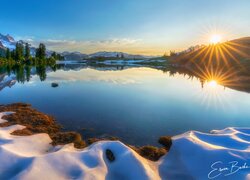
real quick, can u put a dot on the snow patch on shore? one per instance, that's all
(191, 157)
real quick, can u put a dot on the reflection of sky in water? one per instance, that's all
(137, 104)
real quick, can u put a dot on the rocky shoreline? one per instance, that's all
(38, 122)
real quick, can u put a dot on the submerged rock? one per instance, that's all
(54, 84)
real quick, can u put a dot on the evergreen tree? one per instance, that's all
(8, 54)
(27, 51)
(2, 52)
(60, 57)
(27, 72)
(57, 56)
(41, 51)
(54, 55)
(13, 54)
(19, 52)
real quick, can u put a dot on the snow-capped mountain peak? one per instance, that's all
(7, 38)
(7, 41)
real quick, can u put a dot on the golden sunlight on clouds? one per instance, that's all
(132, 46)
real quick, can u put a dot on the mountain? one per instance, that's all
(101, 54)
(228, 63)
(1, 45)
(116, 54)
(226, 53)
(7, 41)
(7, 38)
(2, 49)
(73, 55)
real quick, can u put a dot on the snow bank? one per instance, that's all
(191, 157)
(223, 154)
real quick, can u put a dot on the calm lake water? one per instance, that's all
(136, 104)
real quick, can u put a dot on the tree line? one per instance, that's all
(22, 55)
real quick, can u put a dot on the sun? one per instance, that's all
(215, 39)
(212, 83)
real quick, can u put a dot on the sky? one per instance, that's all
(150, 27)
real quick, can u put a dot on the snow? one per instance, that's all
(7, 81)
(9, 45)
(119, 54)
(200, 156)
(190, 157)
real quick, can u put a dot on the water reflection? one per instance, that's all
(136, 104)
(24, 73)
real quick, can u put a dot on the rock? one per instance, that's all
(54, 84)
(110, 155)
(150, 152)
(166, 141)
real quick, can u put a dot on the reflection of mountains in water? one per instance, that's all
(23, 73)
(108, 65)
(7, 81)
(100, 67)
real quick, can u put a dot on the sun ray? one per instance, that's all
(223, 56)
(230, 54)
(235, 50)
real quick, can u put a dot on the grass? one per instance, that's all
(37, 122)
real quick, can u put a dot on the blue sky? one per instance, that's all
(135, 26)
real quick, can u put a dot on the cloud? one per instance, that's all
(129, 45)
(25, 38)
(87, 46)
(58, 42)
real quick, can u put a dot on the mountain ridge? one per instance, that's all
(7, 41)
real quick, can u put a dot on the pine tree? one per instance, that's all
(13, 54)
(19, 52)
(27, 51)
(41, 51)
(8, 55)
(54, 55)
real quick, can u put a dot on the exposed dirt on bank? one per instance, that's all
(38, 122)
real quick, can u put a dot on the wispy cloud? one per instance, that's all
(87, 46)
(129, 45)
(25, 38)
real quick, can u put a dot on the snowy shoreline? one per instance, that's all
(224, 154)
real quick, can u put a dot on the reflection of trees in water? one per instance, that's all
(41, 72)
(228, 77)
(20, 73)
(27, 74)
(223, 76)
(173, 71)
(23, 72)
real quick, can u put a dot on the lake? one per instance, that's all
(134, 103)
